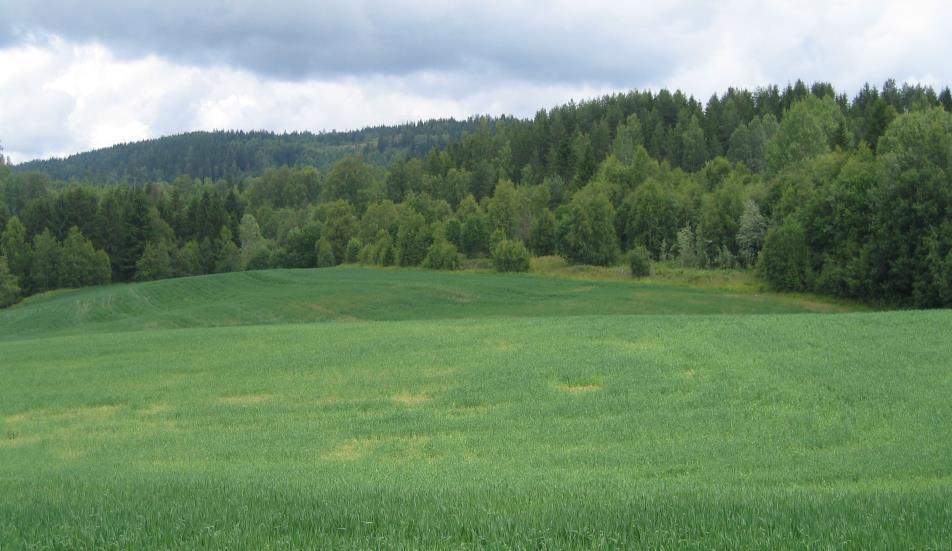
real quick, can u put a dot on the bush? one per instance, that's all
(785, 259)
(510, 255)
(639, 262)
(352, 252)
(325, 254)
(260, 260)
(441, 255)
(9, 288)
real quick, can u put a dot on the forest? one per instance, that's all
(815, 191)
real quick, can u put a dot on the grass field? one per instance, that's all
(469, 410)
(350, 294)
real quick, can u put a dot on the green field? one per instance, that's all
(469, 410)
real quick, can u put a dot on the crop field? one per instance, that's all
(376, 408)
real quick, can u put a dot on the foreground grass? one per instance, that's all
(660, 431)
(350, 293)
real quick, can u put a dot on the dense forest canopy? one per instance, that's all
(816, 191)
(234, 155)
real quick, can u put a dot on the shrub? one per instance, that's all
(785, 259)
(9, 288)
(510, 255)
(441, 255)
(325, 254)
(261, 260)
(639, 262)
(352, 252)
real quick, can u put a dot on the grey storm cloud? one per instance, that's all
(299, 40)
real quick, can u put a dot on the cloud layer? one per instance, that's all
(78, 75)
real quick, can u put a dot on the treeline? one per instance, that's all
(818, 193)
(235, 155)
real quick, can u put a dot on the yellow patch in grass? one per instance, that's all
(13, 440)
(410, 399)
(400, 447)
(244, 399)
(17, 418)
(154, 409)
(579, 389)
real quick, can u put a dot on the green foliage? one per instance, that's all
(81, 264)
(806, 131)
(340, 226)
(300, 246)
(503, 208)
(912, 200)
(590, 237)
(378, 216)
(260, 261)
(751, 232)
(46, 263)
(188, 260)
(351, 180)
(510, 255)
(228, 257)
(413, 238)
(872, 219)
(687, 248)
(785, 259)
(352, 253)
(542, 236)
(441, 255)
(384, 252)
(9, 286)
(15, 248)
(639, 262)
(628, 137)
(325, 254)
(474, 235)
(156, 263)
(649, 216)
(252, 242)
(453, 232)
(233, 155)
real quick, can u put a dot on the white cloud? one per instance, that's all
(104, 71)
(89, 99)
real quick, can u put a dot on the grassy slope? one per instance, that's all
(654, 430)
(287, 296)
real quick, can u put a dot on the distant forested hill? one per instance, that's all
(233, 155)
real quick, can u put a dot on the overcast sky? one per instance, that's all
(82, 74)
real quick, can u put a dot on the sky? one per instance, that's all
(83, 74)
